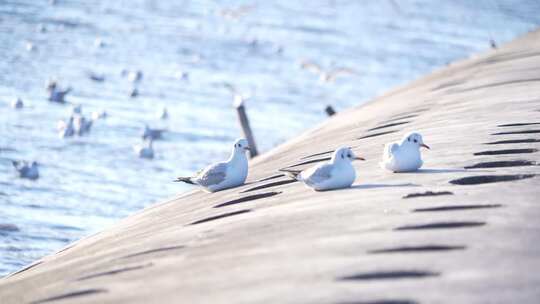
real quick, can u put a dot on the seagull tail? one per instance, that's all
(186, 180)
(294, 174)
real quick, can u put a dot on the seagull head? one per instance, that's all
(345, 154)
(415, 139)
(241, 145)
(76, 109)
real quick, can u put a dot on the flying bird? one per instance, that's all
(326, 75)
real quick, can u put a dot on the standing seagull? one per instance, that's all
(404, 156)
(25, 170)
(336, 174)
(223, 175)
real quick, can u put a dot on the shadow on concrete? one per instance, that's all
(373, 186)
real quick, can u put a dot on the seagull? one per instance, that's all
(17, 103)
(96, 77)
(76, 109)
(81, 125)
(145, 150)
(153, 134)
(335, 174)
(404, 156)
(66, 129)
(56, 94)
(325, 76)
(163, 114)
(99, 43)
(134, 92)
(182, 75)
(102, 114)
(223, 175)
(134, 76)
(26, 170)
(236, 13)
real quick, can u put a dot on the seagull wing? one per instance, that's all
(390, 150)
(311, 66)
(332, 75)
(318, 174)
(212, 175)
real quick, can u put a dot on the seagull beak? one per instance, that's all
(359, 158)
(425, 146)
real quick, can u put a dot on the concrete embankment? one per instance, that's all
(465, 229)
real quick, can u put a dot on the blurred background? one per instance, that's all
(135, 60)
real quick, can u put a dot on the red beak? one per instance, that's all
(359, 158)
(425, 146)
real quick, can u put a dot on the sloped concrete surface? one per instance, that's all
(445, 234)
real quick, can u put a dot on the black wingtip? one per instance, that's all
(186, 180)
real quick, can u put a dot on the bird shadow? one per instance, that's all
(423, 171)
(373, 186)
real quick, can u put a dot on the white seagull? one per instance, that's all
(335, 174)
(26, 170)
(134, 76)
(404, 156)
(329, 75)
(223, 175)
(145, 150)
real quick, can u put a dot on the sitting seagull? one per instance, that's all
(335, 174)
(56, 94)
(223, 175)
(145, 150)
(153, 134)
(17, 103)
(25, 170)
(404, 156)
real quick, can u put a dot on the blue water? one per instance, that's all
(90, 182)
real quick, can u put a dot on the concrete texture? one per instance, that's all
(472, 238)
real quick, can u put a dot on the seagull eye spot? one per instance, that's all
(415, 140)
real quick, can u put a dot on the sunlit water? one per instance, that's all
(90, 182)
